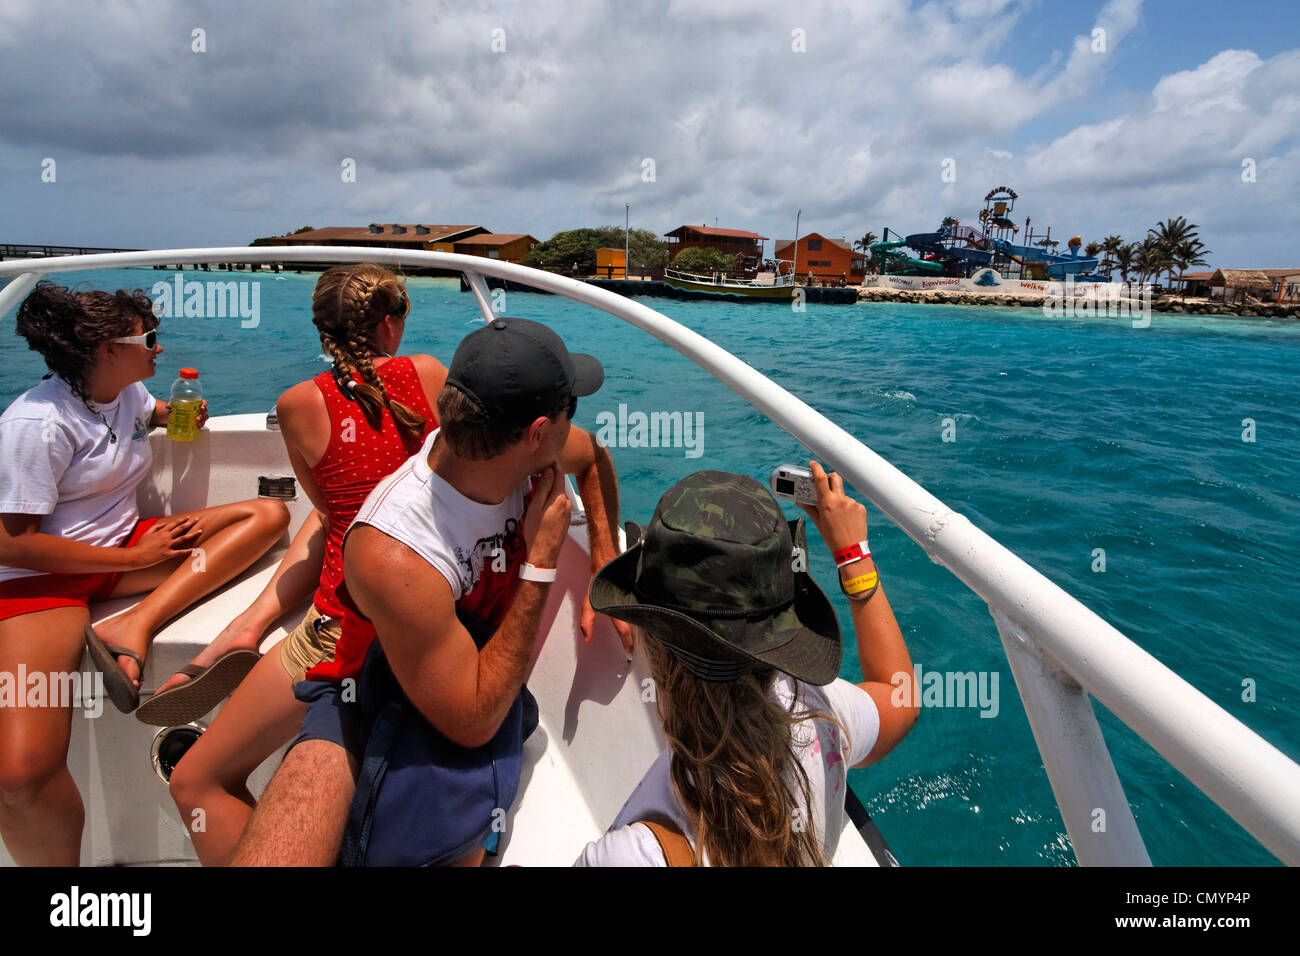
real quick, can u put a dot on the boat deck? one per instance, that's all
(595, 739)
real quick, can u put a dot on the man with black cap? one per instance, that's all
(448, 563)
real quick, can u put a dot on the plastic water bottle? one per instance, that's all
(187, 395)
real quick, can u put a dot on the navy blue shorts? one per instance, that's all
(431, 802)
(329, 716)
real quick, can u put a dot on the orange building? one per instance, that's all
(824, 258)
(610, 264)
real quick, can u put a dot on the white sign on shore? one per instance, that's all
(983, 280)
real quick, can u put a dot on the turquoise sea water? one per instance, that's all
(1070, 435)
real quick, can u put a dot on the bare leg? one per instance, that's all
(300, 819)
(260, 716)
(41, 813)
(234, 536)
(293, 582)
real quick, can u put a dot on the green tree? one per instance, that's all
(1124, 258)
(1110, 245)
(563, 249)
(1190, 252)
(703, 260)
(1092, 249)
(864, 245)
(1150, 259)
(1169, 235)
(271, 240)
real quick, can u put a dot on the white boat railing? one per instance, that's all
(1059, 651)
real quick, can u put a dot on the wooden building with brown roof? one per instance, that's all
(731, 242)
(506, 246)
(433, 238)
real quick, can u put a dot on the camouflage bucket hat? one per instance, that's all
(713, 577)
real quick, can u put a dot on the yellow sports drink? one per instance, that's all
(187, 396)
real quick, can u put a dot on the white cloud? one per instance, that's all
(551, 133)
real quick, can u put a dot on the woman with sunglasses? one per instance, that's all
(72, 451)
(345, 431)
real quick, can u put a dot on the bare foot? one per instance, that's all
(124, 632)
(241, 633)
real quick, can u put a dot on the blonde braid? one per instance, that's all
(345, 333)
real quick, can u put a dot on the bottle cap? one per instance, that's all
(189, 373)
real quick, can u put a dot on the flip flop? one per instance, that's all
(122, 691)
(206, 687)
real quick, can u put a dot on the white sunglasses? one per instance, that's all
(148, 339)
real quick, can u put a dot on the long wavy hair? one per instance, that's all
(349, 302)
(67, 327)
(733, 768)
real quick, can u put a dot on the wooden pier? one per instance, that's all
(823, 295)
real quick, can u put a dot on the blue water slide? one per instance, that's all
(1056, 267)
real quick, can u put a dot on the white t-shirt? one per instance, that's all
(820, 746)
(477, 547)
(57, 460)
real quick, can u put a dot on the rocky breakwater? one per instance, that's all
(1040, 300)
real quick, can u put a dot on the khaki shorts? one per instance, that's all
(309, 644)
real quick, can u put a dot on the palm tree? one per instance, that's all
(1190, 252)
(1124, 258)
(1110, 245)
(864, 245)
(1091, 249)
(1169, 234)
(1150, 259)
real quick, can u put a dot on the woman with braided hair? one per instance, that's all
(72, 451)
(345, 431)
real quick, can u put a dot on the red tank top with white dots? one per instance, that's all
(358, 458)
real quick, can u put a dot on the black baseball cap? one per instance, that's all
(517, 369)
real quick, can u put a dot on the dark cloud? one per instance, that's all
(748, 110)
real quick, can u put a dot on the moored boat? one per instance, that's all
(777, 286)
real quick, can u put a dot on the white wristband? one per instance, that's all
(531, 572)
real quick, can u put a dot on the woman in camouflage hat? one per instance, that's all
(745, 652)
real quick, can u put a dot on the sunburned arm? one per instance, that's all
(882, 652)
(463, 692)
(591, 463)
(584, 458)
(433, 375)
(886, 665)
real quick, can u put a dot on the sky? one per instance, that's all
(122, 126)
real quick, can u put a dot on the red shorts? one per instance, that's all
(40, 592)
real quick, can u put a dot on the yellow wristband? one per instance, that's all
(862, 583)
